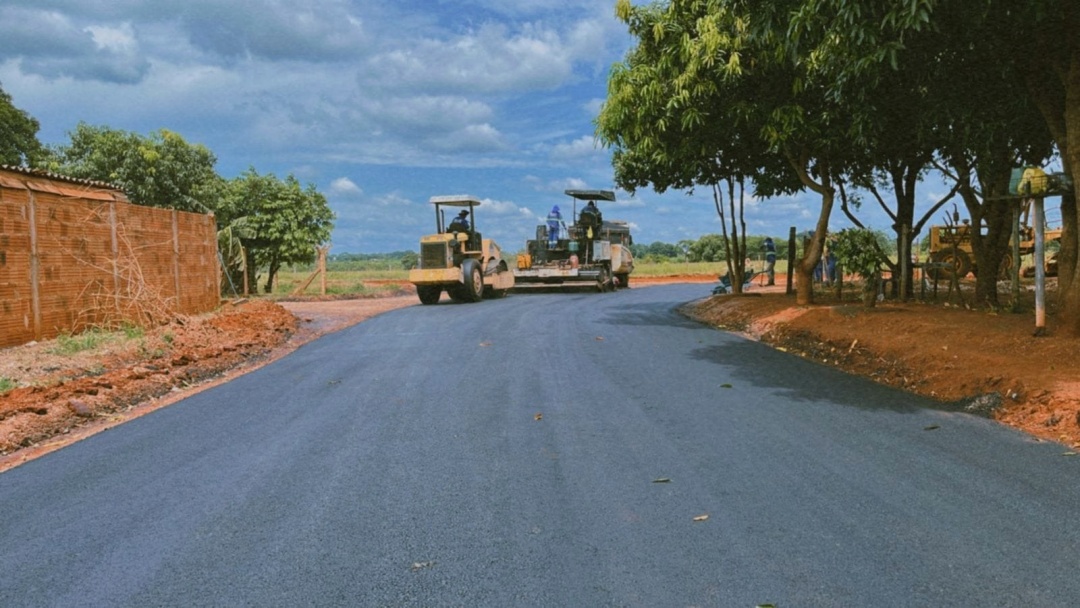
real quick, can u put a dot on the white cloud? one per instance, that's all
(579, 148)
(489, 60)
(344, 186)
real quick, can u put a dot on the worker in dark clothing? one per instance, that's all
(459, 223)
(590, 221)
(770, 259)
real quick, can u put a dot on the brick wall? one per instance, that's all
(75, 254)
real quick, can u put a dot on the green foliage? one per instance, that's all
(708, 248)
(6, 384)
(284, 221)
(19, 144)
(161, 170)
(857, 250)
(132, 332)
(410, 259)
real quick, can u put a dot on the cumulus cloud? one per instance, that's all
(579, 148)
(52, 45)
(308, 30)
(489, 60)
(344, 186)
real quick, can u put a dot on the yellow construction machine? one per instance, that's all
(951, 251)
(457, 258)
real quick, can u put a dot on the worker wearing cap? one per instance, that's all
(460, 223)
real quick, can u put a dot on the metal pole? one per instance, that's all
(1040, 268)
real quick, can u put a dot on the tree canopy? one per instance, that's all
(159, 170)
(19, 144)
(851, 92)
(283, 220)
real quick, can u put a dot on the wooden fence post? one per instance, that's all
(322, 269)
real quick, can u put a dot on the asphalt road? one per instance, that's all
(545, 450)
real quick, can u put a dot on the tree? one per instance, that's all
(19, 144)
(708, 248)
(161, 170)
(286, 221)
(991, 54)
(715, 90)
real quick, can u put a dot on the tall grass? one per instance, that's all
(343, 282)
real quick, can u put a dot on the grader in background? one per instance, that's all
(951, 251)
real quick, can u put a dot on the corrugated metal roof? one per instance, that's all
(46, 181)
(57, 176)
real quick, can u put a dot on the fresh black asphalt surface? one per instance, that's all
(545, 450)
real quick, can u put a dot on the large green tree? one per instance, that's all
(715, 90)
(159, 170)
(284, 221)
(19, 144)
(991, 57)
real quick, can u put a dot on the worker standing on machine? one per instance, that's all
(590, 220)
(555, 226)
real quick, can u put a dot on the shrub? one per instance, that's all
(856, 251)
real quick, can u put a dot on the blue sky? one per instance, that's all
(381, 105)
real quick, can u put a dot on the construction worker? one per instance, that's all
(770, 259)
(590, 221)
(556, 227)
(459, 223)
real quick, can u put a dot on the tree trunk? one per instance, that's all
(271, 272)
(252, 277)
(1070, 152)
(804, 269)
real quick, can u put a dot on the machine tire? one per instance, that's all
(960, 264)
(603, 280)
(624, 279)
(492, 293)
(429, 294)
(473, 289)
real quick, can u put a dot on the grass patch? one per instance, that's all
(6, 384)
(69, 344)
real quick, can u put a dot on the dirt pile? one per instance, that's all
(59, 392)
(985, 363)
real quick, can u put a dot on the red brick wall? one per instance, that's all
(76, 254)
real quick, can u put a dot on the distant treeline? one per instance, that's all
(708, 248)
